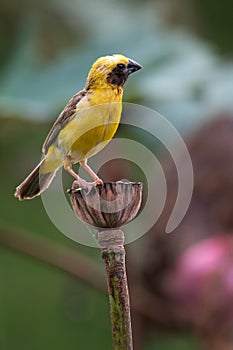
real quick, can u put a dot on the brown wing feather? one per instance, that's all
(64, 117)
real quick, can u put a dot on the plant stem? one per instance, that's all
(113, 255)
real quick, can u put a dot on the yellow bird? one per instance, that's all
(87, 123)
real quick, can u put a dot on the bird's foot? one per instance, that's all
(98, 181)
(84, 184)
(79, 183)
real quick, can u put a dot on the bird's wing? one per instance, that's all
(65, 116)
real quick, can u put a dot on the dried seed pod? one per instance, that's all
(110, 205)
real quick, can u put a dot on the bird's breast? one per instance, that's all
(92, 127)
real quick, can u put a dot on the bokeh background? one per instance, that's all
(52, 290)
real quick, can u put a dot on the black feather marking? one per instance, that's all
(118, 76)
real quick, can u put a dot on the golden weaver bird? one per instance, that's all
(87, 123)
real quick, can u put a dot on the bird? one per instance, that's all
(84, 127)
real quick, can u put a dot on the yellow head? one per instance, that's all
(111, 71)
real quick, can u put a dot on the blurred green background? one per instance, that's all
(47, 48)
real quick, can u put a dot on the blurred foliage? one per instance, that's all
(210, 19)
(217, 24)
(172, 341)
(46, 50)
(183, 78)
(54, 31)
(41, 308)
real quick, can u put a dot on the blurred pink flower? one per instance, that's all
(202, 280)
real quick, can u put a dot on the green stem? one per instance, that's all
(113, 254)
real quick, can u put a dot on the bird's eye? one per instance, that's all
(120, 66)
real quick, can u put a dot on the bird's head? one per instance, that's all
(111, 71)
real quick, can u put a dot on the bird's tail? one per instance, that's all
(34, 184)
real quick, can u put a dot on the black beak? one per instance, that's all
(133, 67)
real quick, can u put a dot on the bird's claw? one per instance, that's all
(98, 181)
(84, 184)
(75, 184)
